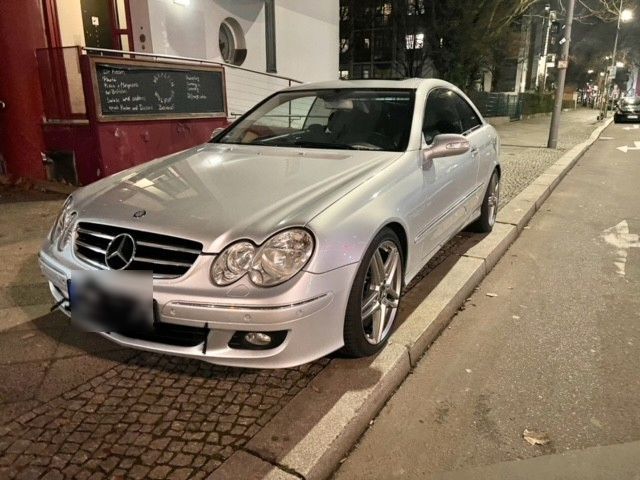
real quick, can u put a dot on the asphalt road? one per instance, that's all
(550, 342)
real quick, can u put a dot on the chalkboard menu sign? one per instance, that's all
(138, 91)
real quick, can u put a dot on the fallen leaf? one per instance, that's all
(468, 370)
(28, 335)
(533, 437)
(515, 317)
(492, 295)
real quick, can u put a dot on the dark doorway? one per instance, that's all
(97, 22)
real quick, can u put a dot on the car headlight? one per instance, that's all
(62, 226)
(281, 257)
(275, 262)
(232, 263)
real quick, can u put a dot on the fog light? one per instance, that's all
(258, 339)
(245, 340)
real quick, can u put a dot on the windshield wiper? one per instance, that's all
(339, 146)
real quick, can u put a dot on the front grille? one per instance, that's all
(167, 257)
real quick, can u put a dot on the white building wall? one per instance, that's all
(70, 19)
(307, 39)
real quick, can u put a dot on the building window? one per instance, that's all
(415, 42)
(231, 42)
(270, 33)
(416, 7)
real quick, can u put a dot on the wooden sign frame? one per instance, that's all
(180, 67)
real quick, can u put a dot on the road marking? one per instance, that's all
(619, 237)
(635, 127)
(625, 148)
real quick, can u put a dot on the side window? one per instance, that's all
(467, 114)
(286, 116)
(441, 114)
(318, 114)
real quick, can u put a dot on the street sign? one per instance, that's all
(563, 63)
(612, 72)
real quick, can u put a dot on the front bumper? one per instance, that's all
(627, 116)
(310, 308)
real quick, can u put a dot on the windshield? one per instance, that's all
(630, 101)
(334, 119)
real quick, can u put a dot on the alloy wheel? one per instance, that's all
(493, 200)
(381, 292)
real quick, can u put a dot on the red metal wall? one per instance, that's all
(126, 144)
(21, 138)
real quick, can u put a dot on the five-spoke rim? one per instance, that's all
(492, 201)
(381, 292)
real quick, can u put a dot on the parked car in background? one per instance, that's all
(627, 110)
(291, 234)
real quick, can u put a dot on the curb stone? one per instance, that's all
(242, 465)
(426, 322)
(310, 435)
(331, 414)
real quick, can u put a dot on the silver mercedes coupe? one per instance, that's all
(291, 234)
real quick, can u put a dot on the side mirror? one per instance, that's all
(445, 145)
(215, 132)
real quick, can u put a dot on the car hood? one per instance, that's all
(217, 194)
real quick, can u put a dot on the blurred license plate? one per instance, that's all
(108, 301)
(632, 117)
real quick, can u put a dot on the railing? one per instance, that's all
(512, 105)
(62, 88)
(176, 58)
(245, 87)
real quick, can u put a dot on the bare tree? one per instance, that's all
(593, 11)
(458, 38)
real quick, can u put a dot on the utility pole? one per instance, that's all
(562, 74)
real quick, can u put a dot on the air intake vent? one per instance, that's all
(167, 257)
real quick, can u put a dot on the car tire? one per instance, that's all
(616, 119)
(489, 209)
(375, 296)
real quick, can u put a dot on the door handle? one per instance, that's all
(474, 152)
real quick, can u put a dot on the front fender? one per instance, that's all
(345, 229)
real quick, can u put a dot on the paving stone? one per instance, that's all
(159, 472)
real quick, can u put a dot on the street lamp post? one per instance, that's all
(562, 74)
(623, 16)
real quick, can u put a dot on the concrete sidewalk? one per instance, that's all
(550, 342)
(83, 403)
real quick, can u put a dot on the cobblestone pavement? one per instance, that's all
(151, 417)
(74, 405)
(524, 153)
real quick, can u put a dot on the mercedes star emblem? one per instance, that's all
(120, 252)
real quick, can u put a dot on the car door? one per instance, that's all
(446, 181)
(482, 145)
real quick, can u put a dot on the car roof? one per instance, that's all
(408, 83)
